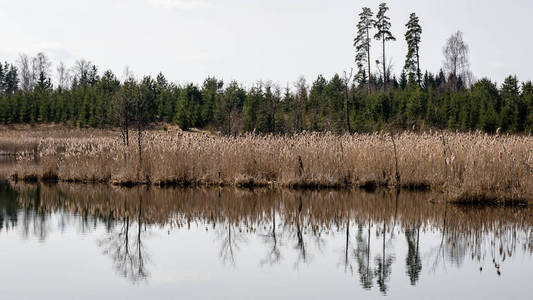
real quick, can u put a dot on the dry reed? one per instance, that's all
(478, 166)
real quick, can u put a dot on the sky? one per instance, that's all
(259, 40)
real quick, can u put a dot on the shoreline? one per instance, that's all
(371, 188)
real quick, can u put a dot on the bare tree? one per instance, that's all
(26, 73)
(456, 60)
(81, 70)
(63, 76)
(122, 115)
(42, 64)
(141, 114)
(132, 110)
(128, 73)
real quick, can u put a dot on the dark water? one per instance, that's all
(96, 242)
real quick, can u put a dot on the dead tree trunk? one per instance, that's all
(347, 79)
(397, 171)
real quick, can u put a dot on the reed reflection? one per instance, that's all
(287, 223)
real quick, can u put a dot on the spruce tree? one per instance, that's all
(11, 80)
(403, 80)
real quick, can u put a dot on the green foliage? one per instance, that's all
(188, 111)
(103, 101)
(251, 107)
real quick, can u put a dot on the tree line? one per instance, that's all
(362, 102)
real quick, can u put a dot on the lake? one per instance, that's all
(69, 241)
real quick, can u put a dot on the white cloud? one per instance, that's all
(181, 4)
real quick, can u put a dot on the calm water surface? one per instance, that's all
(98, 242)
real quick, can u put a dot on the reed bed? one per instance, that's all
(474, 168)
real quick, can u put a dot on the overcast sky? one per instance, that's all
(252, 40)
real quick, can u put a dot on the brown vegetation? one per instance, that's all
(477, 166)
(313, 212)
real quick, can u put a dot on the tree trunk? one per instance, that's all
(346, 98)
(368, 61)
(348, 127)
(418, 73)
(384, 67)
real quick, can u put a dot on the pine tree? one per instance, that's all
(315, 105)
(333, 94)
(210, 91)
(362, 44)
(383, 25)
(250, 110)
(514, 113)
(267, 111)
(413, 38)
(188, 107)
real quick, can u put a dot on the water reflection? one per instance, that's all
(294, 227)
(124, 244)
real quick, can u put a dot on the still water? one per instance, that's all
(99, 242)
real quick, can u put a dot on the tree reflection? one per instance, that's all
(230, 237)
(300, 246)
(8, 207)
(413, 260)
(125, 246)
(273, 255)
(362, 254)
(383, 262)
(346, 258)
(440, 249)
(34, 218)
(291, 226)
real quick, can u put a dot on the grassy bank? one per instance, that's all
(470, 167)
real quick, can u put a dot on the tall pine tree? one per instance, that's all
(413, 38)
(362, 43)
(384, 35)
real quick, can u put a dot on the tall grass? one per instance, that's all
(478, 166)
